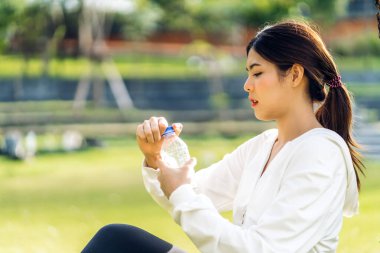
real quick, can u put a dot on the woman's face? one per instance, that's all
(268, 92)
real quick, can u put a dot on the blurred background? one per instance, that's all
(77, 76)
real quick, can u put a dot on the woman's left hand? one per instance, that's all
(172, 178)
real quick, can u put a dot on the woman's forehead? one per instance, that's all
(254, 59)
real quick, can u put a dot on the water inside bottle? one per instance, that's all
(174, 150)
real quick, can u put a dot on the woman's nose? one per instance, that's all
(248, 85)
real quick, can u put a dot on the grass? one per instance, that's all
(150, 66)
(56, 202)
(129, 66)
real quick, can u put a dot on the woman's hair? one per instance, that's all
(290, 42)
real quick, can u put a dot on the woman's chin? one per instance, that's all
(258, 116)
(263, 117)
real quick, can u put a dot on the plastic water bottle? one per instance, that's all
(174, 150)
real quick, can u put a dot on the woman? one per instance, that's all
(288, 187)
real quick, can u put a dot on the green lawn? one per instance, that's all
(154, 66)
(131, 66)
(56, 202)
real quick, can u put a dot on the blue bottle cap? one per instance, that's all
(168, 131)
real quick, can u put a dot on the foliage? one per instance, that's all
(222, 16)
(33, 26)
(196, 17)
(139, 23)
(7, 15)
(322, 11)
(176, 15)
(257, 13)
(29, 25)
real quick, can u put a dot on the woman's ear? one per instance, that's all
(297, 73)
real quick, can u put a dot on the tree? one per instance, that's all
(22, 27)
(7, 16)
(322, 12)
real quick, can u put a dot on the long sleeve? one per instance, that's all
(218, 182)
(309, 199)
(152, 186)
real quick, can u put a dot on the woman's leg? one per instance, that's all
(121, 238)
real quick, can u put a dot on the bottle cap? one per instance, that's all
(168, 131)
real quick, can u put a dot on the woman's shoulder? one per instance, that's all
(322, 144)
(320, 138)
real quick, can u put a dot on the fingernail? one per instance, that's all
(177, 125)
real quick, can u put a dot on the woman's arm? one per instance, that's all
(315, 182)
(218, 182)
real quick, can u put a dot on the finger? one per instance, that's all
(155, 129)
(188, 167)
(177, 128)
(162, 124)
(148, 131)
(190, 163)
(140, 133)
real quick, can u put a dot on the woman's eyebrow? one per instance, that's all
(252, 66)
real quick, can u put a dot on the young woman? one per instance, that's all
(288, 187)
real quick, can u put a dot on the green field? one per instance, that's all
(156, 67)
(56, 202)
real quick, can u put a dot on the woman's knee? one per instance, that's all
(109, 237)
(115, 229)
(118, 232)
(125, 238)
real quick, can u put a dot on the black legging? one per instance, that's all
(121, 238)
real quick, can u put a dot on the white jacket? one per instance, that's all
(297, 205)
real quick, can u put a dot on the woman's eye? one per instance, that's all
(257, 74)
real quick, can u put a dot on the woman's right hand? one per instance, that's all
(149, 138)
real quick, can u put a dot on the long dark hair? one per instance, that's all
(290, 42)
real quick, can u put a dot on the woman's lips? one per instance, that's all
(253, 102)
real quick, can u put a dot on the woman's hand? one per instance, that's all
(148, 136)
(172, 178)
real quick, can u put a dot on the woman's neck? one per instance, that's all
(295, 124)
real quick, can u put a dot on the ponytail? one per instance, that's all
(336, 114)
